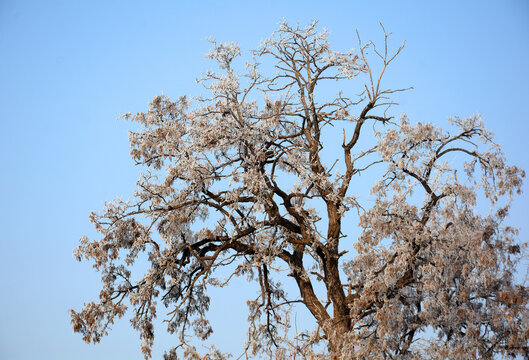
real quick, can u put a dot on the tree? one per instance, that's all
(249, 179)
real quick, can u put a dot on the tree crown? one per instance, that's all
(239, 179)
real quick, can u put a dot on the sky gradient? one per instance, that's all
(69, 69)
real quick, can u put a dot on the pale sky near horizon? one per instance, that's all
(68, 69)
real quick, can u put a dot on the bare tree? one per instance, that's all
(241, 180)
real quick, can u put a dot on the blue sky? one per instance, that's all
(69, 69)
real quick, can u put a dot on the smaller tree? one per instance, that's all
(252, 179)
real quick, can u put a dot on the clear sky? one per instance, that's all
(68, 69)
